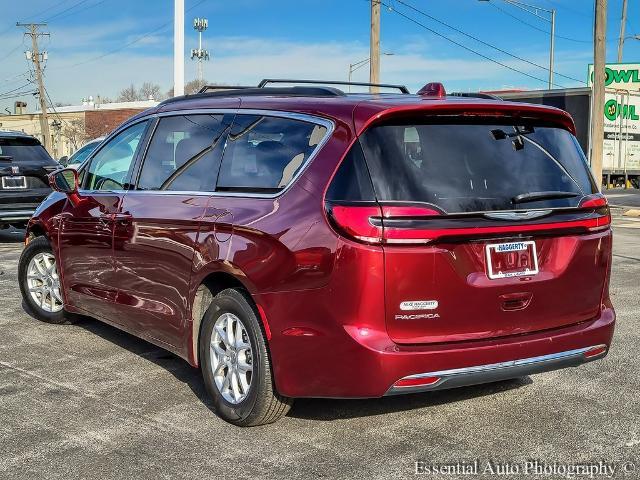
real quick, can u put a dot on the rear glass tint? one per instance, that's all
(23, 150)
(469, 167)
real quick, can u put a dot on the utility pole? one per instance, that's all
(374, 47)
(36, 57)
(178, 48)
(598, 93)
(623, 21)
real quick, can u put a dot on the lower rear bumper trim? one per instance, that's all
(461, 377)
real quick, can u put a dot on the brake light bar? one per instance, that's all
(374, 224)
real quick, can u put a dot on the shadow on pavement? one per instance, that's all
(328, 409)
(304, 408)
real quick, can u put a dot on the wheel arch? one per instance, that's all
(212, 284)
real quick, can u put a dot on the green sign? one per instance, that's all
(613, 110)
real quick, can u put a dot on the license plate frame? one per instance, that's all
(517, 265)
(19, 182)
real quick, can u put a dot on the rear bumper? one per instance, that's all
(21, 213)
(349, 361)
(462, 377)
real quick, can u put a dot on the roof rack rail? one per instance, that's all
(263, 83)
(216, 88)
(487, 96)
(311, 91)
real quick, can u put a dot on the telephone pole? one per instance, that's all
(598, 94)
(37, 58)
(374, 47)
(623, 21)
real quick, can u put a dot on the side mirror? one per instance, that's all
(65, 181)
(64, 161)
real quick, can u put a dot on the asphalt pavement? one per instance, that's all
(624, 197)
(88, 401)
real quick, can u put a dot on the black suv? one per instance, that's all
(24, 166)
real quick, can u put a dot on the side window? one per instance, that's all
(184, 153)
(109, 168)
(264, 153)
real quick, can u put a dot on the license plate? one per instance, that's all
(9, 183)
(514, 259)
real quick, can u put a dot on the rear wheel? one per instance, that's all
(235, 363)
(40, 282)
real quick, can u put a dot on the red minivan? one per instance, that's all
(297, 241)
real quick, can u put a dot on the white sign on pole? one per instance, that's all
(622, 116)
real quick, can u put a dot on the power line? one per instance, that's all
(77, 4)
(15, 89)
(531, 25)
(486, 43)
(88, 7)
(497, 62)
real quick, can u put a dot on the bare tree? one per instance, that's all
(149, 91)
(129, 94)
(193, 86)
(74, 130)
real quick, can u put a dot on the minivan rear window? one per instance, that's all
(471, 165)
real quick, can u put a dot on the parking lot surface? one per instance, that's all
(88, 401)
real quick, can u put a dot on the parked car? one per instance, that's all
(303, 242)
(24, 166)
(80, 155)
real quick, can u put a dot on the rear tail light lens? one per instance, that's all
(597, 201)
(594, 201)
(356, 222)
(376, 224)
(366, 223)
(416, 382)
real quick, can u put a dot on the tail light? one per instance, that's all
(599, 203)
(405, 224)
(374, 224)
(356, 222)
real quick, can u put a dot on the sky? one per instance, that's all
(99, 47)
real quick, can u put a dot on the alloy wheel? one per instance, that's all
(231, 358)
(43, 282)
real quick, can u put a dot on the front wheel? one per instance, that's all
(40, 282)
(235, 363)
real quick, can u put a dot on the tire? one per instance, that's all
(260, 403)
(51, 310)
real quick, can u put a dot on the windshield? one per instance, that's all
(23, 150)
(471, 167)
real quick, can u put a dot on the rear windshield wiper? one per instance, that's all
(520, 136)
(535, 196)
